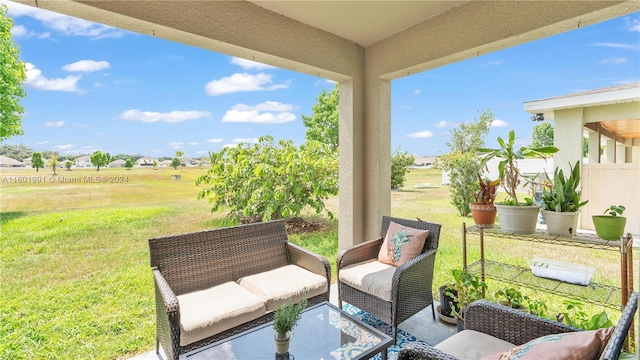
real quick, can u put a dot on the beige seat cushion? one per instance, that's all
(208, 312)
(287, 282)
(371, 277)
(472, 345)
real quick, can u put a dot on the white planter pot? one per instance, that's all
(518, 219)
(561, 223)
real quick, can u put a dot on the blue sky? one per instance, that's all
(93, 87)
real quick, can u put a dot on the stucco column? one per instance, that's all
(594, 147)
(610, 150)
(351, 194)
(568, 138)
(377, 153)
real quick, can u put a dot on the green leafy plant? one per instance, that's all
(271, 181)
(537, 307)
(615, 210)
(511, 297)
(575, 316)
(286, 317)
(509, 174)
(467, 288)
(487, 192)
(561, 194)
(401, 161)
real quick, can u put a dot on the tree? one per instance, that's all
(179, 155)
(99, 159)
(400, 164)
(68, 164)
(18, 152)
(461, 162)
(542, 135)
(270, 181)
(53, 163)
(175, 163)
(323, 124)
(155, 164)
(128, 164)
(36, 161)
(13, 75)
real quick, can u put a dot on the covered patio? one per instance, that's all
(362, 45)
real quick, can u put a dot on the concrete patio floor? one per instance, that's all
(421, 325)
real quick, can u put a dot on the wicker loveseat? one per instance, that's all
(496, 324)
(216, 283)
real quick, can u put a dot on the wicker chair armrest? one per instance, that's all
(168, 297)
(616, 342)
(514, 326)
(358, 253)
(421, 351)
(418, 267)
(309, 260)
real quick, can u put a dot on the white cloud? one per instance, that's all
(63, 24)
(617, 46)
(245, 140)
(493, 63)
(215, 140)
(417, 92)
(19, 31)
(176, 145)
(36, 80)
(241, 82)
(54, 123)
(614, 60)
(633, 24)
(169, 117)
(421, 135)
(193, 143)
(441, 124)
(66, 147)
(499, 123)
(87, 66)
(248, 64)
(42, 143)
(268, 112)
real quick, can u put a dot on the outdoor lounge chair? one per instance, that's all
(407, 288)
(496, 324)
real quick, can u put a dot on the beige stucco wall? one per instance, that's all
(611, 184)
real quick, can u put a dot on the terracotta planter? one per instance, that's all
(518, 219)
(561, 223)
(483, 215)
(609, 227)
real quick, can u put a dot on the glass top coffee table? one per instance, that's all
(323, 332)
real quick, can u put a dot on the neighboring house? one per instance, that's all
(610, 118)
(117, 163)
(424, 161)
(83, 162)
(6, 161)
(145, 161)
(165, 163)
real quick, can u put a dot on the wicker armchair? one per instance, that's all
(411, 284)
(518, 327)
(191, 262)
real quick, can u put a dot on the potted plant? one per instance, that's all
(611, 226)
(483, 211)
(285, 319)
(467, 288)
(448, 304)
(561, 202)
(515, 217)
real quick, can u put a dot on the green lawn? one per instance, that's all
(74, 263)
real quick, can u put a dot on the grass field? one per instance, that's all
(74, 263)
